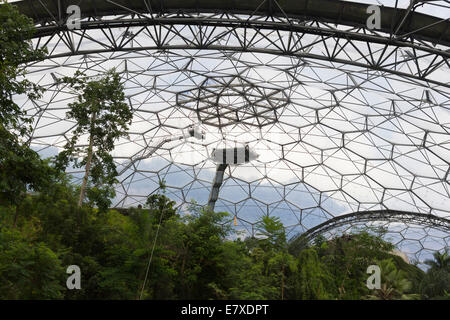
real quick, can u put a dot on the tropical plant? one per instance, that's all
(394, 283)
(100, 112)
(28, 270)
(436, 283)
(312, 278)
(21, 169)
(16, 49)
(441, 261)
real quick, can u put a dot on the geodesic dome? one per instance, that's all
(347, 121)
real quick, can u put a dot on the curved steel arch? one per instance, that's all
(395, 21)
(406, 217)
(407, 38)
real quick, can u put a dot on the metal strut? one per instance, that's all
(146, 155)
(217, 183)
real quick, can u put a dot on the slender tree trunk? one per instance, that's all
(15, 216)
(88, 162)
(182, 277)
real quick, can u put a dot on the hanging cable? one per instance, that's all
(151, 255)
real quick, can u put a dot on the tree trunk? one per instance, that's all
(15, 216)
(88, 162)
(183, 286)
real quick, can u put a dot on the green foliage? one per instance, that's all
(16, 49)
(312, 279)
(266, 264)
(436, 282)
(21, 170)
(100, 196)
(253, 280)
(100, 113)
(394, 283)
(161, 208)
(441, 261)
(194, 256)
(273, 230)
(347, 259)
(28, 270)
(202, 250)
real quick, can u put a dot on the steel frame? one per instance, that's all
(411, 48)
(275, 34)
(425, 220)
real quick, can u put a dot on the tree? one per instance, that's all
(347, 258)
(272, 229)
(278, 261)
(281, 265)
(441, 261)
(28, 270)
(16, 49)
(101, 113)
(161, 207)
(436, 282)
(21, 169)
(312, 278)
(267, 263)
(201, 263)
(160, 231)
(394, 283)
(251, 278)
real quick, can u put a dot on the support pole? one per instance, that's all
(217, 183)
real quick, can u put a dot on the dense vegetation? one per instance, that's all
(47, 224)
(193, 258)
